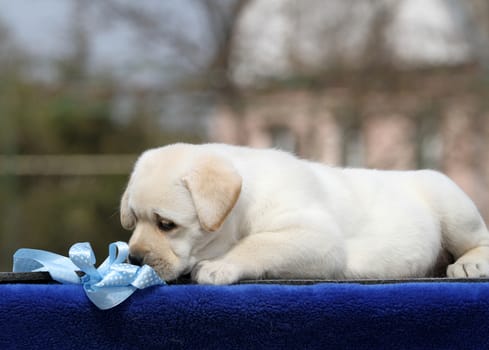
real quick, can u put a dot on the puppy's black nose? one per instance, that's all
(135, 260)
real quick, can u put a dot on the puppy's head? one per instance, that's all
(177, 199)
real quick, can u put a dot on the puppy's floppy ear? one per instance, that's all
(128, 220)
(214, 186)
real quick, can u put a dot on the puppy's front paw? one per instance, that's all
(216, 272)
(470, 270)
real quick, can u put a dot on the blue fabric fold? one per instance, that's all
(107, 286)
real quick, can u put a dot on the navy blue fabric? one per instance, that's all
(322, 316)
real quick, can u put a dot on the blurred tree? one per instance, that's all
(74, 67)
(70, 114)
(473, 18)
(222, 18)
(11, 61)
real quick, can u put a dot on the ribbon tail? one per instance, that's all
(59, 267)
(106, 298)
(146, 277)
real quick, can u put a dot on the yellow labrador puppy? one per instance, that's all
(227, 213)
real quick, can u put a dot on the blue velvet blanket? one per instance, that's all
(320, 316)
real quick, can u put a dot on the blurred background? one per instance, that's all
(86, 85)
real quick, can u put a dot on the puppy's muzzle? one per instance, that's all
(135, 260)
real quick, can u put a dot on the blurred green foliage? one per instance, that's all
(54, 212)
(72, 115)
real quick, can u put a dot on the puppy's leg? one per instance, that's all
(465, 236)
(473, 263)
(468, 240)
(284, 254)
(464, 233)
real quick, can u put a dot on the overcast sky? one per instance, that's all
(42, 29)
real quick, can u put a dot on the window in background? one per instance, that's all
(283, 138)
(430, 145)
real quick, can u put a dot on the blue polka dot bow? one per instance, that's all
(106, 286)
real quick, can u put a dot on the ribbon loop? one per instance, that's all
(118, 253)
(109, 285)
(59, 267)
(83, 256)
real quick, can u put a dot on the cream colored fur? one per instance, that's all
(247, 213)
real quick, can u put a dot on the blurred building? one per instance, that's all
(400, 91)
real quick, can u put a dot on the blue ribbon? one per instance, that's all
(106, 286)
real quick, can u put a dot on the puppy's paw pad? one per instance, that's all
(216, 272)
(468, 270)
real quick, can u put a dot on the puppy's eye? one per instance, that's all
(166, 225)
